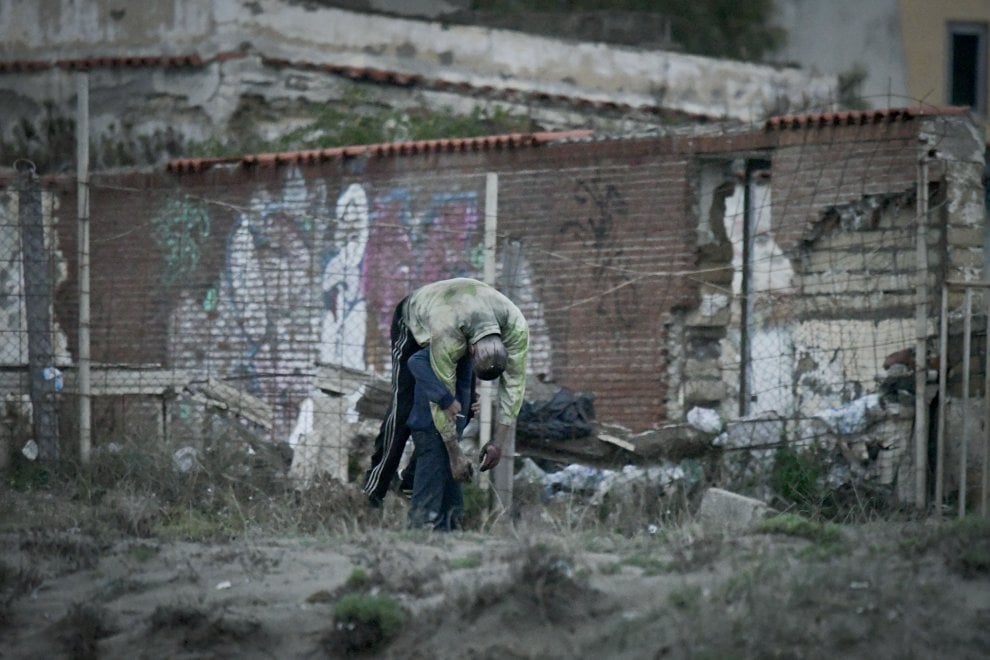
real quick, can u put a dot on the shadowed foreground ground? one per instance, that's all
(115, 574)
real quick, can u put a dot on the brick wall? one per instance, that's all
(623, 261)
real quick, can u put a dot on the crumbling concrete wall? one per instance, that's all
(273, 63)
(479, 56)
(833, 294)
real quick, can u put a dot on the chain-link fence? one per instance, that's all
(780, 282)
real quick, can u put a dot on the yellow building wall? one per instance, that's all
(926, 48)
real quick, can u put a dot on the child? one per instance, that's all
(437, 500)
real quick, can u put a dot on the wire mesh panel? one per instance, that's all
(31, 348)
(278, 294)
(777, 285)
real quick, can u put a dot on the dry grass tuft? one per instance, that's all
(202, 629)
(71, 551)
(81, 629)
(963, 544)
(363, 623)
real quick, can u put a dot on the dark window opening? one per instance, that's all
(967, 65)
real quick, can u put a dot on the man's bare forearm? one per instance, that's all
(501, 435)
(451, 443)
(460, 467)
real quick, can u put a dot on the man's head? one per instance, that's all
(489, 357)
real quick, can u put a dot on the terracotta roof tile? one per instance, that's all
(164, 61)
(111, 62)
(857, 117)
(19, 66)
(443, 145)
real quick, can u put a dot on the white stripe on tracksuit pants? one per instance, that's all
(393, 434)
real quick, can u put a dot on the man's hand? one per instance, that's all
(453, 410)
(491, 454)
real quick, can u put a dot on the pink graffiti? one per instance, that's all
(406, 251)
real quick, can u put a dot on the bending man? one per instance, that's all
(454, 318)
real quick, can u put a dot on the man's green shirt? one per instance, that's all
(449, 314)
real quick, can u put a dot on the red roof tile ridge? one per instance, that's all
(855, 117)
(309, 156)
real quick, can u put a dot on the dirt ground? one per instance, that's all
(536, 589)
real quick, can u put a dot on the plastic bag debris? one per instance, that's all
(184, 459)
(565, 416)
(53, 374)
(853, 417)
(705, 420)
(30, 450)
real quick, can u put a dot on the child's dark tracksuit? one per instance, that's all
(437, 501)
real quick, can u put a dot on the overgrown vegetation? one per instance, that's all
(356, 119)
(801, 527)
(963, 543)
(82, 628)
(697, 592)
(797, 477)
(14, 583)
(798, 481)
(134, 488)
(365, 622)
(851, 88)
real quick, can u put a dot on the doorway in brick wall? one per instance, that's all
(763, 275)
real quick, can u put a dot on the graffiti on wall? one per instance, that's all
(13, 317)
(345, 308)
(408, 248)
(13, 310)
(603, 203)
(179, 229)
(310, 278)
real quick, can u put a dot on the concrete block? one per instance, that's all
(966, 237)
(705, 369)
(704, 390)
(763, 431)
(725, 511)
(714, 309)
(855, 283)
(966, 258)
(871, 261)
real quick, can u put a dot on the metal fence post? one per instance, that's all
(966, 365)
(83, 356)
(943, 400)
(921, 343)
(985, 481)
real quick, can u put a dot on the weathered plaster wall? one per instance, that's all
(844, 35)
(481, 56)
(273, 50)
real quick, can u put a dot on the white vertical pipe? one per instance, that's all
(943, 372)
(83, 356)
(964, 449)
(985, 499)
